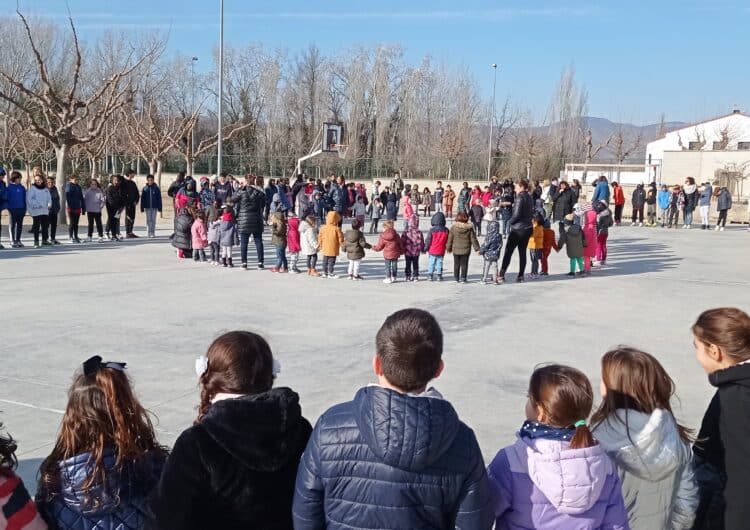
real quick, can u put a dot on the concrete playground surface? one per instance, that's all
(136, 302)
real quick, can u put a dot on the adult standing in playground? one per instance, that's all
(249, 204)
(704, 203)
(114, 203)
(520, 230)
(691, 201)
(38, 203)
(463, 198)
(223, 189)
(130, 196)
(438, 197)
(151, 204)
(54, 209)
(601, 190)
(619, 198)
(563, 202)
(397, 185)
(75, 207)
(337, 196)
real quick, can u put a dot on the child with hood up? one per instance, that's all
(390, 244)
(199, 236)
(412, 241)
(555, 475)
(571, 237)
(434, 246)
(227, 234)
(490, 250)
(182, 239)
(461, 239)
(408, 208)
(330, 239)
(308, 235)
(293, 241)
(354, 246)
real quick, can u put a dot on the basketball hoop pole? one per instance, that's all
(492, 122)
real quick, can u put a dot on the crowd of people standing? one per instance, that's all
(397, 455)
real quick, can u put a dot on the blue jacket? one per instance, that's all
(389, 460)
(74, 197)
(122, 505)
(662, 198)
(336, 195)
(705, 196)
(151, 198)
(601, 192)
(3, 195)
(16, 197)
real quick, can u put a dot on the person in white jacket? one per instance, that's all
(308, 240)
(38, 203)
(636, 427)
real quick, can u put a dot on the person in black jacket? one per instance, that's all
(130, 196)
(223, 189)
(722, 449)
(249, 205)
(397, 456)
(75, 205)
(563, 202)
(236, 466)
(114, 203)
(520, 230)
(176, 185)
(637, 202)
(54, 210)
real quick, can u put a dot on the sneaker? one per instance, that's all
(333, 276)
(571, 274)
(260, 266)
(37, 245)
(130, 236)
(284, 270)
(432, 277)
(633, 224)
(722, 229)
(717, 228)
(440, 277)
(482, 282)
(275, 269)
(387, 280)
(71, 241)
(415, 278)
(500, 278)
(640, 224)
(101, 240)
(603, 263)
(56, 242)
(520, 279)
(47, 244)
(77, 241)
(358, 277)
(295, 270)
(547, 274)
(464, 280)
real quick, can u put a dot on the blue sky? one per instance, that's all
(637, 59)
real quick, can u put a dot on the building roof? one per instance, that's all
(735, 112)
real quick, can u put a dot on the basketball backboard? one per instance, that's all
(332, 136)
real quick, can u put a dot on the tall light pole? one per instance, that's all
(192, 129)
(219, 143)
(492, 122)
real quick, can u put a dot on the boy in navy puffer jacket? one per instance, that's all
(434, 245)
(397, 456)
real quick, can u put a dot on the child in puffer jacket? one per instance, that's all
(477, 214)
(390, 244)
(550, 242)
(536, 243)
(308, 234)
(434, 246)
(278, 239)
(589, 235)
(555, 476)
(17, 510)
(490, 250)
(199, 236)
(293, 241)
(214, 239)
(412, 242)
(571, 237)
(355, 245)
(330, 239)
(227, 233)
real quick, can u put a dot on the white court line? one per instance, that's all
(30, 406)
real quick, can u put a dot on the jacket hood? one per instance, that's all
(406, 432)
(571, 479)
(462, 227)
(493, 229)
(736, 375)
(647, 446)
(352, 236)
(438, 220)
(333, 218)
(389, 234)
(413, 223)
(262, 431)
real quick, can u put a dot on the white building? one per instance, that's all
(712, 150)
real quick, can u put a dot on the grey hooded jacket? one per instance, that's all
(655, 467)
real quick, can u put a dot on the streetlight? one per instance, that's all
(492, 120)
(219, 142)
(192, 129)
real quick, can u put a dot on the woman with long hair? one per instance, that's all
(520, 231)
(106, 460)
(636, 426)
(236, 466)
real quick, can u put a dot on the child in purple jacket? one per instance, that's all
(556, 476)
(412, 241)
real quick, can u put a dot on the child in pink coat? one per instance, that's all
(293, 246)
(408, 209)
(199, 236)
(589, 234)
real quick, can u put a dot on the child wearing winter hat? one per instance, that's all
(308, 235)
(434, 245)
(354, 246)
(293, 241)
(199, 236)
(412, 242)
(571, 237)
(390, 244)
(536, 243)
(555, 476)
(490, 250)
(330, 240)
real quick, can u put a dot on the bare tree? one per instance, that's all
(63, 108)
(566, 113)
(623, 145)
(592, 151)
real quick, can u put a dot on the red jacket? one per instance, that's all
(292, 235)
(619, 196)
(390, 244)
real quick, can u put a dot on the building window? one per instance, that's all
(694, 146)
(743, 146)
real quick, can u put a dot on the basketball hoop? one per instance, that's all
(341, 150)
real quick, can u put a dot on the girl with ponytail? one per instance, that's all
(106, 460)
(556, 475)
